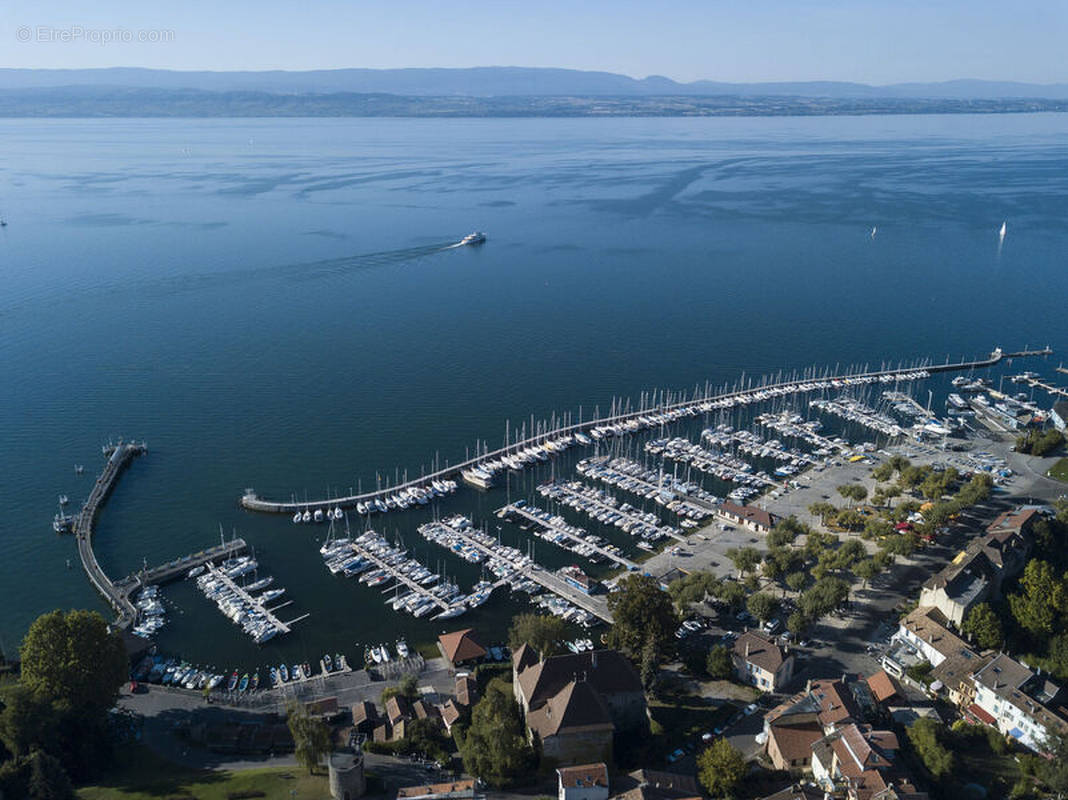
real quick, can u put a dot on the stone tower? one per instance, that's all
(347, 781)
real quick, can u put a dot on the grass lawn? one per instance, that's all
(1059, 471)
(142, 775)
(681, 722)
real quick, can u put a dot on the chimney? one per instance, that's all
(747, 648)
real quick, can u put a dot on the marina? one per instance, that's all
(684, 498)
(248, 611)
(561, 533)
(377, 563)
(482, 470)
(601, 506)
(509, 564)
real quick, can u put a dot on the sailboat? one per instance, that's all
(873, 230)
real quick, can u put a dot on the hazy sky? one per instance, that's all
(871, 41)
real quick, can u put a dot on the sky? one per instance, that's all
(878, 42)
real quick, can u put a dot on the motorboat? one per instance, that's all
(478, 237)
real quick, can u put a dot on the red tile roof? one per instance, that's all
(460, 646)
(583, 775)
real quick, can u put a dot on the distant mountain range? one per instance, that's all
(503, 82)
(483, 92)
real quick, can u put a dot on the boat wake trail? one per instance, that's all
(302, 271)
(164, 285)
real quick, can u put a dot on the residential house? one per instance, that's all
(647, 784)
(583, 782)
(977, 573)
(862, 763)
(450, 713)
(761, 662)
(576, 702)
(925, 629)
(883, 687)
(1017, 701)
(968, 580)
(461, 647)
(365, 717)
(466, 690)
(1059, 415)
(798, 723)
(797, 791)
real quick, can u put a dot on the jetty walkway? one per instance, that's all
(251, 501)
(564, 530)
(118, 593)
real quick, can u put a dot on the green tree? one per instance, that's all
(720, 664)
(822, 597)
(72, 658)
(848, 554)
(866, 570)
(732, 593)
(310, 736)
(883, 472)
(796, 623)
(408, 687)
(641, 612)
(720, 768)
(822, 510)
(495, 748)
(983, 625)
(877, 527)
(850, 520)
(543, 632)
(1037, 606)
(692, 588)
(762, 606)
(796, 581)
(745, 559)
(48, 780)
(853, 492)
(27, 720)
(924, 736)
(650, 662)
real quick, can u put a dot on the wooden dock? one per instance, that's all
(398, 576)
(528, 515)
(595, 605)
(230, 583)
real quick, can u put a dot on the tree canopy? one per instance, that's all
(641, 612)
(495, 748)
(720, 768)
(983, 625)
(720, 664)
(310, 735)
(924, 736)
(71, 657)
(543, 632)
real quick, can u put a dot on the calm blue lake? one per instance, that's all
(267, 303)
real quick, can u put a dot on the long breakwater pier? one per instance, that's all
(474, 470)
(118, 593)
